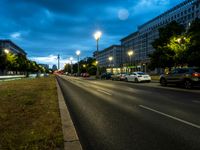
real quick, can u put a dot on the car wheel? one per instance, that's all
(163, 82)
(126, 79)
(136, 80)
(187, 84)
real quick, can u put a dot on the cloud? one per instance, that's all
(45, 28)
(15, 35)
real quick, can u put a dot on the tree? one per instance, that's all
(194, 46)
(2, 61)
(163, 56)
(179, 44)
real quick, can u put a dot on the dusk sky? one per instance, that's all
(45, 28)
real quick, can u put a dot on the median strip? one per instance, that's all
(169, 116)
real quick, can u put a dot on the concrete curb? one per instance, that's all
(71, 140)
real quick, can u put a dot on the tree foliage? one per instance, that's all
(176, 46)
(18, 63)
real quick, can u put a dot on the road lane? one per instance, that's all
(117, 122)
(172, 102)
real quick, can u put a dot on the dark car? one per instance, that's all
(106, 76)
(182, 76)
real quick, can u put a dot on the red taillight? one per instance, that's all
(196, 74)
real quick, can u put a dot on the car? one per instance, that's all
(115, 76)
(85, 74)
(188, 77)
(106, 76)
(138, 77)
(123, 76)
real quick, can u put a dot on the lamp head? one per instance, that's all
(78, 52)
(97, 35)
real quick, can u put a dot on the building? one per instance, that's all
(109, 57)
(11, 47)
(54, 67)
(140, 41)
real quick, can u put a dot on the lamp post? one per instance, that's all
(130, 53)
(110, 59)
(58, 61)
(78, 52)
(97, 36)
(71, 58)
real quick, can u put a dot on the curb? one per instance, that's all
(71, 140)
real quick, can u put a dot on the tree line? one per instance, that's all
(18, 64)
(177, 46)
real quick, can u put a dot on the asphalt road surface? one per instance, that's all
(111, 115)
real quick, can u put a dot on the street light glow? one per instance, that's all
(130, 53)
(6, 51)
(110, 58)
(97, 35)
(78, 52)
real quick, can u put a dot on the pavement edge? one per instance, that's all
(71, 140)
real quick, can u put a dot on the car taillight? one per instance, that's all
(196, 74)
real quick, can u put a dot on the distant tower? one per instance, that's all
(58, 61)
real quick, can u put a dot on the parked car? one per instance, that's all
(138, 77)
(115, 76)
(119, 76)
(106, 76)
(188, 77)
(85, 74)
(123, 76)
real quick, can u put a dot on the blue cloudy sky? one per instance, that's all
(45, 28)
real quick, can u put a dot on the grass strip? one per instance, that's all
(29, 115)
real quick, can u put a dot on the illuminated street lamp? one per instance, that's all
(71, 58)
(130, 53)
(78, 52)
(110, 59)
(97, 36)
(6, 51)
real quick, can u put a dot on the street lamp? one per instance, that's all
(71, 58)
(110, 59)
(130, 53)
(6, 51)
(78, 52)
(97, 36)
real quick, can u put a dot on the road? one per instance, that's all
(111, 115)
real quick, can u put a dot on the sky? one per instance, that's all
(46, 28)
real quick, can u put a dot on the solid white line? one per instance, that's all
(169, 116)
(104, 92)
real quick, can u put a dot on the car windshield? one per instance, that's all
(141, 73)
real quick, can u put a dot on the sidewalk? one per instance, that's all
(71, 140)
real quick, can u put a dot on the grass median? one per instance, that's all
(29, 115)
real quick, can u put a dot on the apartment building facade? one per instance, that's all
(11, 47)
(140, 41)
(113, 52)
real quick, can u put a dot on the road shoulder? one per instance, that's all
(71, 140)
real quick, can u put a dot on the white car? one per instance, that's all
(138, 77)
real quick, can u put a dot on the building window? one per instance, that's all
(185, 12)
